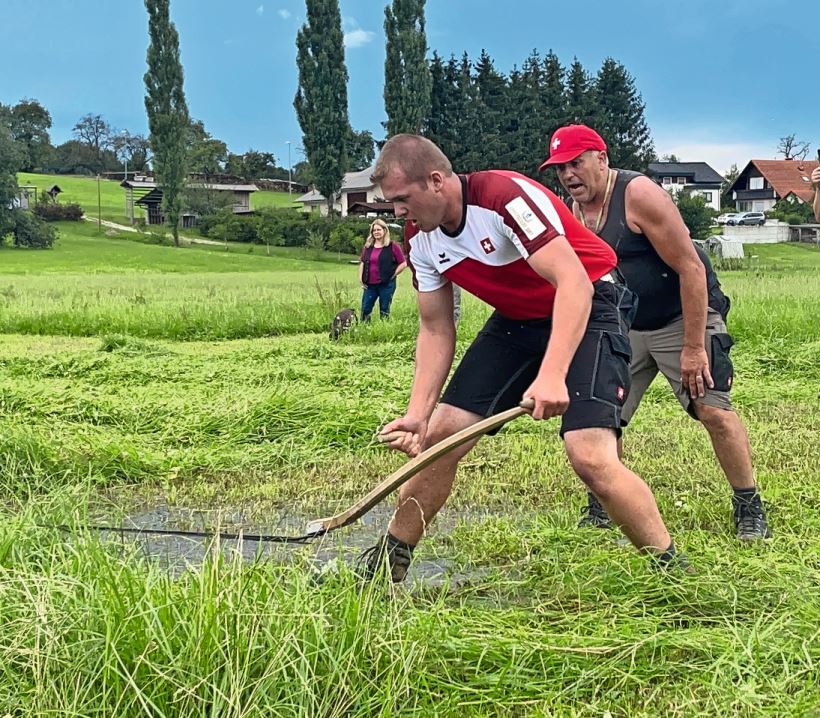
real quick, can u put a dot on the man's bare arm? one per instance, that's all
(652, 211)
(559, 265)
(435, 347)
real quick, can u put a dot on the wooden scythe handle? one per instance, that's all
(412, 467)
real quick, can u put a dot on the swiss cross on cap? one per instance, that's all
(573, 140)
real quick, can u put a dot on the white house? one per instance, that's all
(698, 178)
(356, 189)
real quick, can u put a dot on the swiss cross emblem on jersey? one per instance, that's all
(487, 246)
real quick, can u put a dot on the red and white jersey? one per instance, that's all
(507, 218)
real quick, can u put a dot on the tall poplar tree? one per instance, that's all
(167, 110)
(321, 100)
(407, 79)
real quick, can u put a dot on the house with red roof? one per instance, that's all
(764, 182)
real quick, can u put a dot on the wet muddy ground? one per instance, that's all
(180, 553)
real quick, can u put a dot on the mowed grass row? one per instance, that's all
(121, 409)
(108, 199)
(89, 286)
(550, 621)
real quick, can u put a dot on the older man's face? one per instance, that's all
(584, 176)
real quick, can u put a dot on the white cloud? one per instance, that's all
(358, 37)
(260, 9)
(284, 14)
(354, 35)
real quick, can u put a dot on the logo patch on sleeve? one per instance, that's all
(525, 217)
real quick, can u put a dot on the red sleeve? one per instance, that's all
(398, 255)
(410, 230)
(525, 207)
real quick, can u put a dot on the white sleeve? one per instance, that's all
(426, 278)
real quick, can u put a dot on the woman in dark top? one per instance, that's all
(380, 263)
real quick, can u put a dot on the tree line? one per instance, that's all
(98, 147)
(480, 116)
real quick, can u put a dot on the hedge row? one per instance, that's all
(288, 228)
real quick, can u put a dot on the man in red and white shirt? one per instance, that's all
(558, 335)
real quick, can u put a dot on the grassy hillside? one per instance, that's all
(83, 191)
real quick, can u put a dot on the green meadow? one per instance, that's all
(203, 382)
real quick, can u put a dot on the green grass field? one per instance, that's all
(202, 382)
(84, 191)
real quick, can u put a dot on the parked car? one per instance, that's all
(724, 218)
(753, 218)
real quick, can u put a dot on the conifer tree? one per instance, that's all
(491, 94)
(527, 113)
(439, 124)
(553, 96)
(620, 118)
(580, 101)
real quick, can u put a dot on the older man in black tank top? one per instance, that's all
(679, 329)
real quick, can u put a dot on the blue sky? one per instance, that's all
(722, 79)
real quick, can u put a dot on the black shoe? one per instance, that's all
(593, 514)
(750, 519)
(396, 554)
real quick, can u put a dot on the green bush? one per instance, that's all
(343, 238)
(696, 215)
(31, 231)
(792, 212)
(287, 228)
(57, 212)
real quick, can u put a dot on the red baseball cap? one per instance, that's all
(569, 142)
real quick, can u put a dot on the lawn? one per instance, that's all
(111, 204)
(199, 387)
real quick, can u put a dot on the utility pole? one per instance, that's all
(290, 182)
(99, 205)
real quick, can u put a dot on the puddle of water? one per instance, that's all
(178, 554)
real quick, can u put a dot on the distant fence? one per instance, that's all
(805, 233)
(770, 233)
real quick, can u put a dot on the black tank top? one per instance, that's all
(655, 282)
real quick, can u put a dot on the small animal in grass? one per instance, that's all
(343, 320)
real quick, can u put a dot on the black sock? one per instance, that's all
(392, 543)
(668, 555)
(747, 496)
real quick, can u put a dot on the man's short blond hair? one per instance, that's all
(414, 155)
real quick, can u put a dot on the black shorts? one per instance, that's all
(505, 357)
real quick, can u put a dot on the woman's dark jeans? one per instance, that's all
(382, 292)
